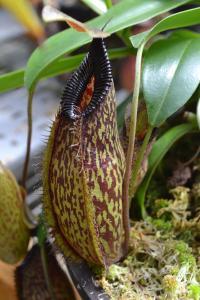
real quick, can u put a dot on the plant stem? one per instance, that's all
(29, 138)
(45, 269)
(29, 219)
(124, 38)
(133, 123)
(139, 159)
(108, 3)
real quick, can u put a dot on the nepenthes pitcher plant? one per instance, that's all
(84, 165)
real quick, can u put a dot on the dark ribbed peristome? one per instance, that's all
(96, 64)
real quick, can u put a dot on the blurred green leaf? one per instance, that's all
(182, 19)
(170, 76)
(108, 3)
(185, 34)
(11, 80)
(15, 79)
(122, 15)
(160, 148)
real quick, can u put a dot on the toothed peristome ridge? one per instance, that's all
(83, 173)
(96, 64)
(14, 235)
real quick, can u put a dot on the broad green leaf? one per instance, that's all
(98, 6)
(170, 76)
(160, 148)
(178, 20)
(122, 15)
(184, 34)
(15, 79)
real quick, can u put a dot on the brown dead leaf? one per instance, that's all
(51, 14)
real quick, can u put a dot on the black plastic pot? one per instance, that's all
(84, 282)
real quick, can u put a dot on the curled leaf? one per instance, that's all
(51, 14)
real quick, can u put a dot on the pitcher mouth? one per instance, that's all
(89, 85)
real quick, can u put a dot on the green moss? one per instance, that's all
(184, 254)
(185, 258)
(156, 190)
(158, 266)
(162, 262)
(170, 284)
(196, 191)
(162, 225)
(187, 236)
(160, 203)
(194, 291)
(174, 270)
(181, 194)
(115, 272)
(181, 247)
(98, 270)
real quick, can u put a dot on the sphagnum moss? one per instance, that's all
(160, 265)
